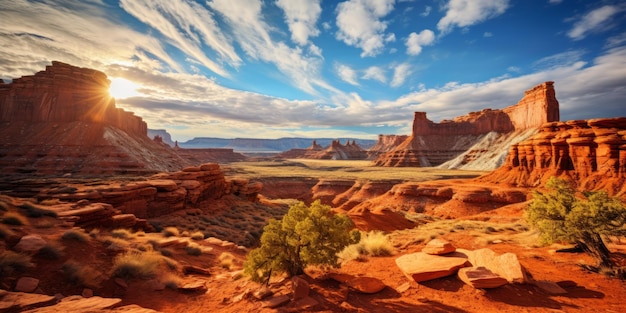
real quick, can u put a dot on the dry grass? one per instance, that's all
(341, 169)
(374, 243)
(82, 274)
(12, 261)
(14, 218)
(197, 235)
(137, 264)
(226, 260)
(76, 234)
(122, 233)
(193, 249)
(171, 232)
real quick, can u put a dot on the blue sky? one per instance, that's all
(311, 68)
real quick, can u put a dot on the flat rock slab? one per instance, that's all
(421, 266)
(78, 304)
(18, 301)
(481, 277)
(276, 301)
(438, 247)
(363, 284)
(505, 265)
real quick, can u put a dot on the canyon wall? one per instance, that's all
(63, 121)
(432, 144)
(590, 152)
(65, 93)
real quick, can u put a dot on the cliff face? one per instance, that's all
(432, 144)
(65, 93)
(384, 144)
(62, 120)
(591, 152)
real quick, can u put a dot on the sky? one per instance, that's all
(321, 68)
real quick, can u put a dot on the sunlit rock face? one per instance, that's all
(63, 121)
(65, 93)
(432, 144)
(591, 152)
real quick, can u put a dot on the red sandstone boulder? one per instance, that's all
(423, 267)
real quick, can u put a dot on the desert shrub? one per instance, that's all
(12, 261)
(171, 280)
(94, 233)
(193, 249)
(51, 250)
(305, 236)
(5, 232)
(137, 264)
(560, 215)
(197, 235)
(121, 233)
(81, 274)
(76, 235)
(34, 210)
(166, 252)
(170, 232)
(374, 243)
(14, 218)
(226, 260)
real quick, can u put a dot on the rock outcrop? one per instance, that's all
(63, 121)
(591, 152)
(384, 144)
(432, 144)
(335, 151)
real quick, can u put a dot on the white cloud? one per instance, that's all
(415, 42)
(594, 20)
(400, 73)
(347, 74)
(426, 12)
(463, 13)
(375, 73)
(555, 1)
(252, 33)
(566, 58)
(360, 24)
(301, 17)
(187, 25)
(34, 33)
(487, 34)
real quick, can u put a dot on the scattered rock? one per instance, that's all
(360, 283)
(275, 302)
(30, 243)
(18, 301)
(27, 284)
(438, 247)
(505, 265)
(133, 308)
(262, 293)
(198, 286)
(306, 303)
(87, 293)
(78, 304)
(404, 287)
(481, 277)
(190, 269)
(300, 287)
(550, 287)
(421, 267)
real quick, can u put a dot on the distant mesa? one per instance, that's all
(473, 135)
(335, 151)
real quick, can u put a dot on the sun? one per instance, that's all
(122, 88)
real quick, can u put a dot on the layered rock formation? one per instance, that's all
(384, 144)
(63, 121)
(432, 144)
(591, 152)
(335, 151)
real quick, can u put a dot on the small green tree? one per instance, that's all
(305, 236)
(561, 216)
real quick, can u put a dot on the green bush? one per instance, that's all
(305, 236)
(560, 215)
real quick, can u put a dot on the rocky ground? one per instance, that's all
(198, 274)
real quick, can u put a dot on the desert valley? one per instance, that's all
(100, 216)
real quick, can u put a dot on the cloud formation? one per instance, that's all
(415, 42)
(301, 17)
(593, 21)
(463, 13)
(360, 24)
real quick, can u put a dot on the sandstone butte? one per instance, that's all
(335, 151)
(63, 121)
(433, 144)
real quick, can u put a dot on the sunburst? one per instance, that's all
(122, 88)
